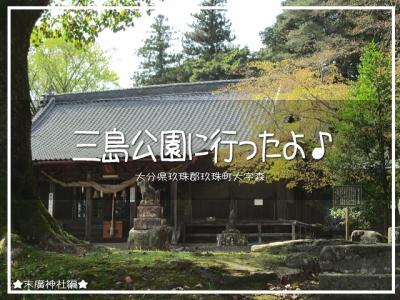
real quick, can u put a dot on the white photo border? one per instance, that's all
(254, 292)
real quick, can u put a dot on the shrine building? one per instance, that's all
(86, 191)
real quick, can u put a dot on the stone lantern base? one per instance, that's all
(231, 237)
(149, 231)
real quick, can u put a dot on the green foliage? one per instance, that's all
(83, 26)
(301, 98)
(157, 60)
(213, 60)
(223, 65)
(358, 217)
(299, 33)
(57, 66)
(363, 138)
(210, 33)
(208, 54)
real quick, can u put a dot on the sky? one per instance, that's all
(248, 18)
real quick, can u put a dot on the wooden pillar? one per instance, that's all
(282, 200)
(51, 198)
(232, 203)
(74, 204)
(88, 211)
(132, 205)
(190, 206)
(293, 230)
(346, 223)
(174, 211)
(296, 205)
(188, 211)
(174, 204)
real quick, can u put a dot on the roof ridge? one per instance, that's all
(135, 98)
(152, 87)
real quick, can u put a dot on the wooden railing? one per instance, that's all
(254, 229)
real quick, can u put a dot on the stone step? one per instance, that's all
(358, 258)
(147, 223)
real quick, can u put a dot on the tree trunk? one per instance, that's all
(29, 217)
(3, 118)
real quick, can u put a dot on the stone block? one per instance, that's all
(149, 211)
(156, 238)
(342, 282)
(303, 261)
(147, 223)
(358, 258)
(367, 237)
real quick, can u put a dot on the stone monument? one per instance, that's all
(150, 231)
(231, 236)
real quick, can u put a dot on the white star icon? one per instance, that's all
(17, 284)
(82, 284)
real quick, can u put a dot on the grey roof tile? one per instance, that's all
(193, 108)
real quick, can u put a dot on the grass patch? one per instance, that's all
(114, 269)
(140, 270)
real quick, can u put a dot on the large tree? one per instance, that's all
(299, 95)
(209, 52)
(29, 217)
(223, 65)
(157, 59)
(362, 152)
(59, 66)
(209, 56)
(210, 34)
(296, 34)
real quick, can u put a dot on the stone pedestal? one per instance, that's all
(156, 238)
(149, 231)
(231, 237)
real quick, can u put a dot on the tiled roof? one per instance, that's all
(194, 108)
